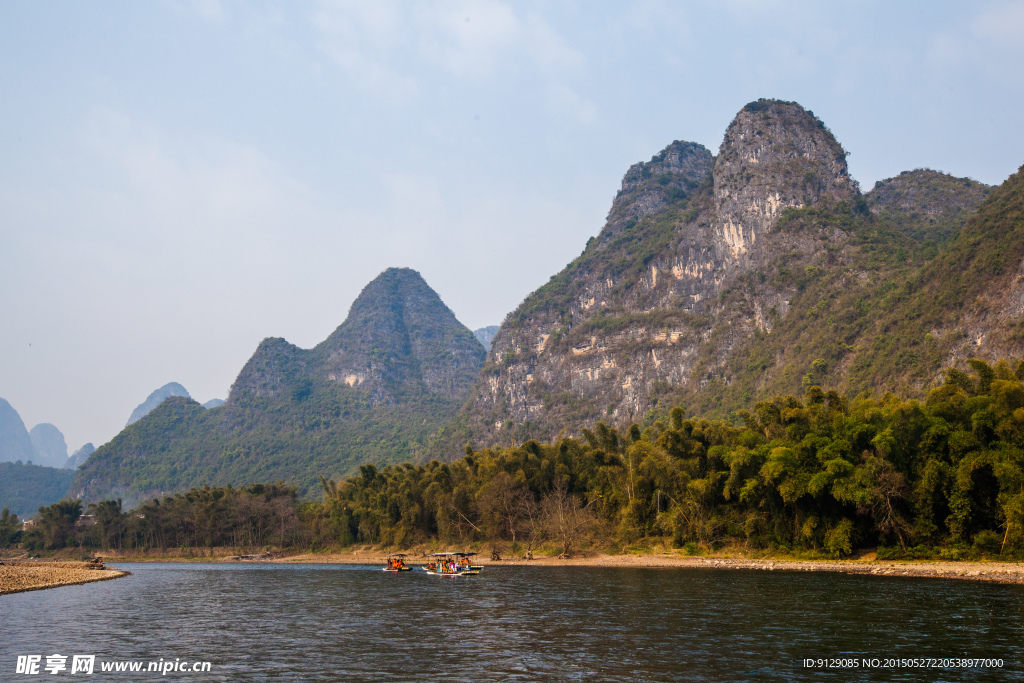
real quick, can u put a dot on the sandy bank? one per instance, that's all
(16, 577)
(999, 572)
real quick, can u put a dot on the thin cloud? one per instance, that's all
(362, 39)
(212, 11)
(391, 50)
(1003, 23)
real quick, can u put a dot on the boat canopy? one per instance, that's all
(451, 554)
(395, 555)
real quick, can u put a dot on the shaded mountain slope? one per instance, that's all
(24, 488)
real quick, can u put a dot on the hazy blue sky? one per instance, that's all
(179, 180)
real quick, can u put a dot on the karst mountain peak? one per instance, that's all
(377, 389)
(701, 256)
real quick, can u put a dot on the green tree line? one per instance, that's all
(823, 473)
(253, 516)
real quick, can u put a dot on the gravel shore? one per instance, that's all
(16, 577)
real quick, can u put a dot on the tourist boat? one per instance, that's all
(396, 563)
(451, 564)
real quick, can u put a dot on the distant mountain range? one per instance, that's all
(378, 389)
(41, 470)
(44, 445)
(31, 464)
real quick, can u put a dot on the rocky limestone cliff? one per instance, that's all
(649, 187)
(642, 308)
(775, 156)
(399, 339)
(679, 297)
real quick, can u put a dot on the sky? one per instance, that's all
(181, 179)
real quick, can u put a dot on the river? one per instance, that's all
(350, 622)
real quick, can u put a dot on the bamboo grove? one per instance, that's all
(825, 473)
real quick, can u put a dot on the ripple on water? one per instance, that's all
(334, 622)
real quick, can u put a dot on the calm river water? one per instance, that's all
(346, 622)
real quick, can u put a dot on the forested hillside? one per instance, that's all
(23, 487)
(819, 474)
(377, 390)
(718, 281)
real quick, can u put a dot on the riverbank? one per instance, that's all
(986, 570)
(21, 576)
(996, 572)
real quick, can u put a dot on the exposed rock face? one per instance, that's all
(399, 336)
(775, 156)
(647, 306)
(14, 440)
(155, 399)
(985, 268)
(399, 339)
(79, 457)
(648, 187)
(49, 445)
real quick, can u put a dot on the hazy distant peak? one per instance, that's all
(76, 459)
(213, 403)
(486, 335)
(155, 399)
(14, 441)
(48, 445)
